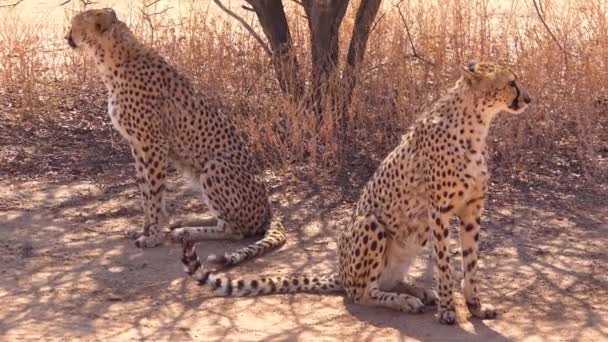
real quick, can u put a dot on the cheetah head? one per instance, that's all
(496, 86)
(88, 26)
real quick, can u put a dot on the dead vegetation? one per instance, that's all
(67, 191)
(414, 48)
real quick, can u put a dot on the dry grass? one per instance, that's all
(566, 130)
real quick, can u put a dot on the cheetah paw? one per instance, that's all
(134, 234)
(147, 241)
(220, 262)
(447, 317)
(179, 235)
(429, 297)
(482, 312)
(415, 305)
(218, 259)
(176, 224)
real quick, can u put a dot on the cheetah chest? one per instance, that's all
(115, 117)
(477, 170)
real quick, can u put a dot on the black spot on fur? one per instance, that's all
(374, 226)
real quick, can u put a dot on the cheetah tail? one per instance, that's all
(225, 286)
(273, 238)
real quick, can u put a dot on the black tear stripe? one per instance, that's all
(515, 104)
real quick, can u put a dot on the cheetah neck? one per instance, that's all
(465, 115)
(114, 49)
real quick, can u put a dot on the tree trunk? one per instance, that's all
(271, 16)
(324, 19)
(363, 24)
(327, 91)
(368, 9)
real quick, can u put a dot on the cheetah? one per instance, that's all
(438, 171)
(157, 110)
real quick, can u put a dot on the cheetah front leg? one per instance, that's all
(427, 296)
(470, 219)
(151, 162)
(441, 234)
(144, 194)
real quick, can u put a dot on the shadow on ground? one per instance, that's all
(68, 270)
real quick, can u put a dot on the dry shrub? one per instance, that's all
(565, 130)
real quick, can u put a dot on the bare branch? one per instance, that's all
(149, 15)
(13, 5)
(540, 16)
(245, 25)
(409, 37)
(377, 22)
(247, 8)
(152, 3)
(84, 3)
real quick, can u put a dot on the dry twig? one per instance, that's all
(85, 3)
(245, 25)
(152, 3)
(409, 37)
(377, 22)
(542, 19)
(13, 5)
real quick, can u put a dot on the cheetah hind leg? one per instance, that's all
(189, 225)
(273, 238)
(426, 295)
(221, 231)
(200, 222)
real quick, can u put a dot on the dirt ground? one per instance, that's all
(68, 271)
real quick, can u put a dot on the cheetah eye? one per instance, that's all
(512, 84)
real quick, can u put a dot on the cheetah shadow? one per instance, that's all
(425, 326)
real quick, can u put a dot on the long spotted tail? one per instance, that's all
(273, 239)
(257, 286)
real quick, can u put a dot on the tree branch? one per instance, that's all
(85, 3)
(13, 5)
(409, 37)
(152, 3)
(377, 22)
(540, 16)
(245, 25)
(272, 20)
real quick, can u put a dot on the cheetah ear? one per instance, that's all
(105, 20)
(468, 72)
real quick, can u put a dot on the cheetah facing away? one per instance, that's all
(438, 171)
(157, 110)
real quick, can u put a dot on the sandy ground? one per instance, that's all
(68, 271)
